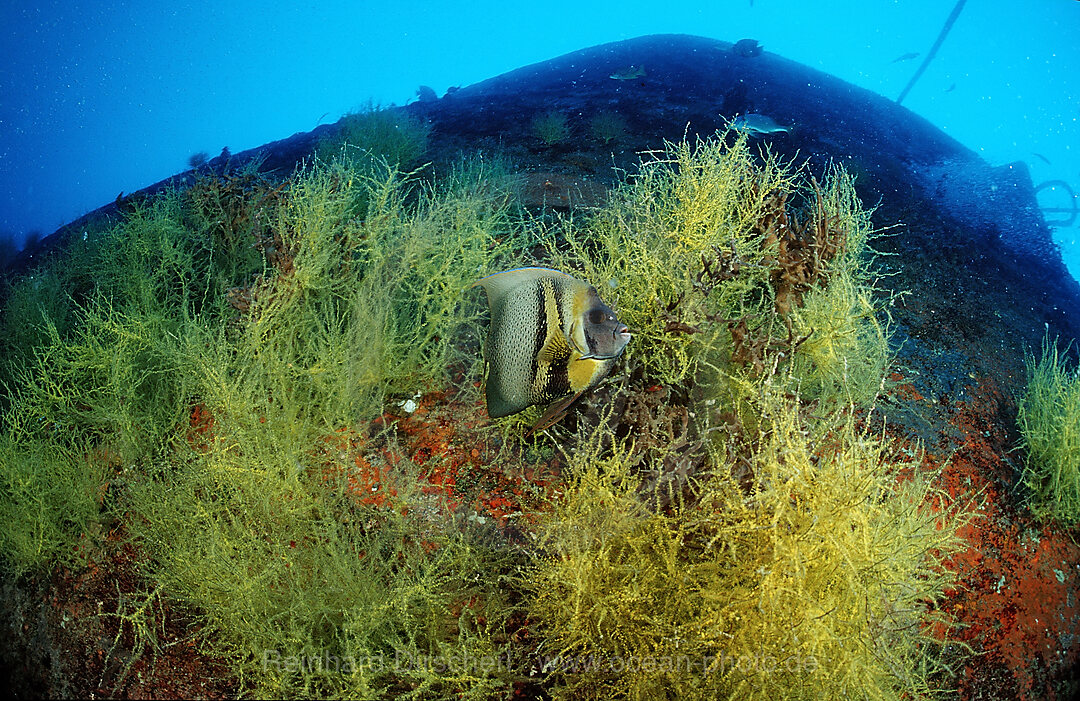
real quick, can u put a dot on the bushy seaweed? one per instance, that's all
(375, 134)
(1049, 418)
(809, 570)
(33, 303)
(690, 203)
(724, 281)
(198, 381)
(805, 560)
(550, 127)
(841, 326)
(608, 127)
(213, 373)
(312, 593)
(50, 496)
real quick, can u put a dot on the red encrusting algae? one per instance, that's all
(458, 458)
(1016, 602)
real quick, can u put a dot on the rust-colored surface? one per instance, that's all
(79, 639)
(460, 459)
(1016, 601)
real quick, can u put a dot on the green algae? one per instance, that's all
(191, 362)
(1049, 419)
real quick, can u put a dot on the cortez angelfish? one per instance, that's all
(551, 335)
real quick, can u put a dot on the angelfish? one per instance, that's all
(551, 338)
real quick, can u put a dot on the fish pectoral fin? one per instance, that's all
(555, 349)
(553, 414)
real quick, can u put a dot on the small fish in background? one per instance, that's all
(951, 88)
(747, 48)
(629, 73)
(757, 125)
(550, 336)
(905, 57)
(1042, 158)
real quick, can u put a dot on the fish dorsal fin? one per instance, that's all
(499, 285)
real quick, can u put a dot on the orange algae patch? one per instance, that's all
(904, 390)
(200, 428)
(459, 461)
(1017, 600)
(365, 477)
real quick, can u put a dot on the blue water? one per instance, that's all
(98, 98)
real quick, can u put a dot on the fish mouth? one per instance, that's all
(623, 334)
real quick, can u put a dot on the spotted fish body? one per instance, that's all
(551, 335)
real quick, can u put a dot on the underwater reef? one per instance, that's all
(245, 450)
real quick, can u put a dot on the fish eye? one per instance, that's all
(597, 316)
